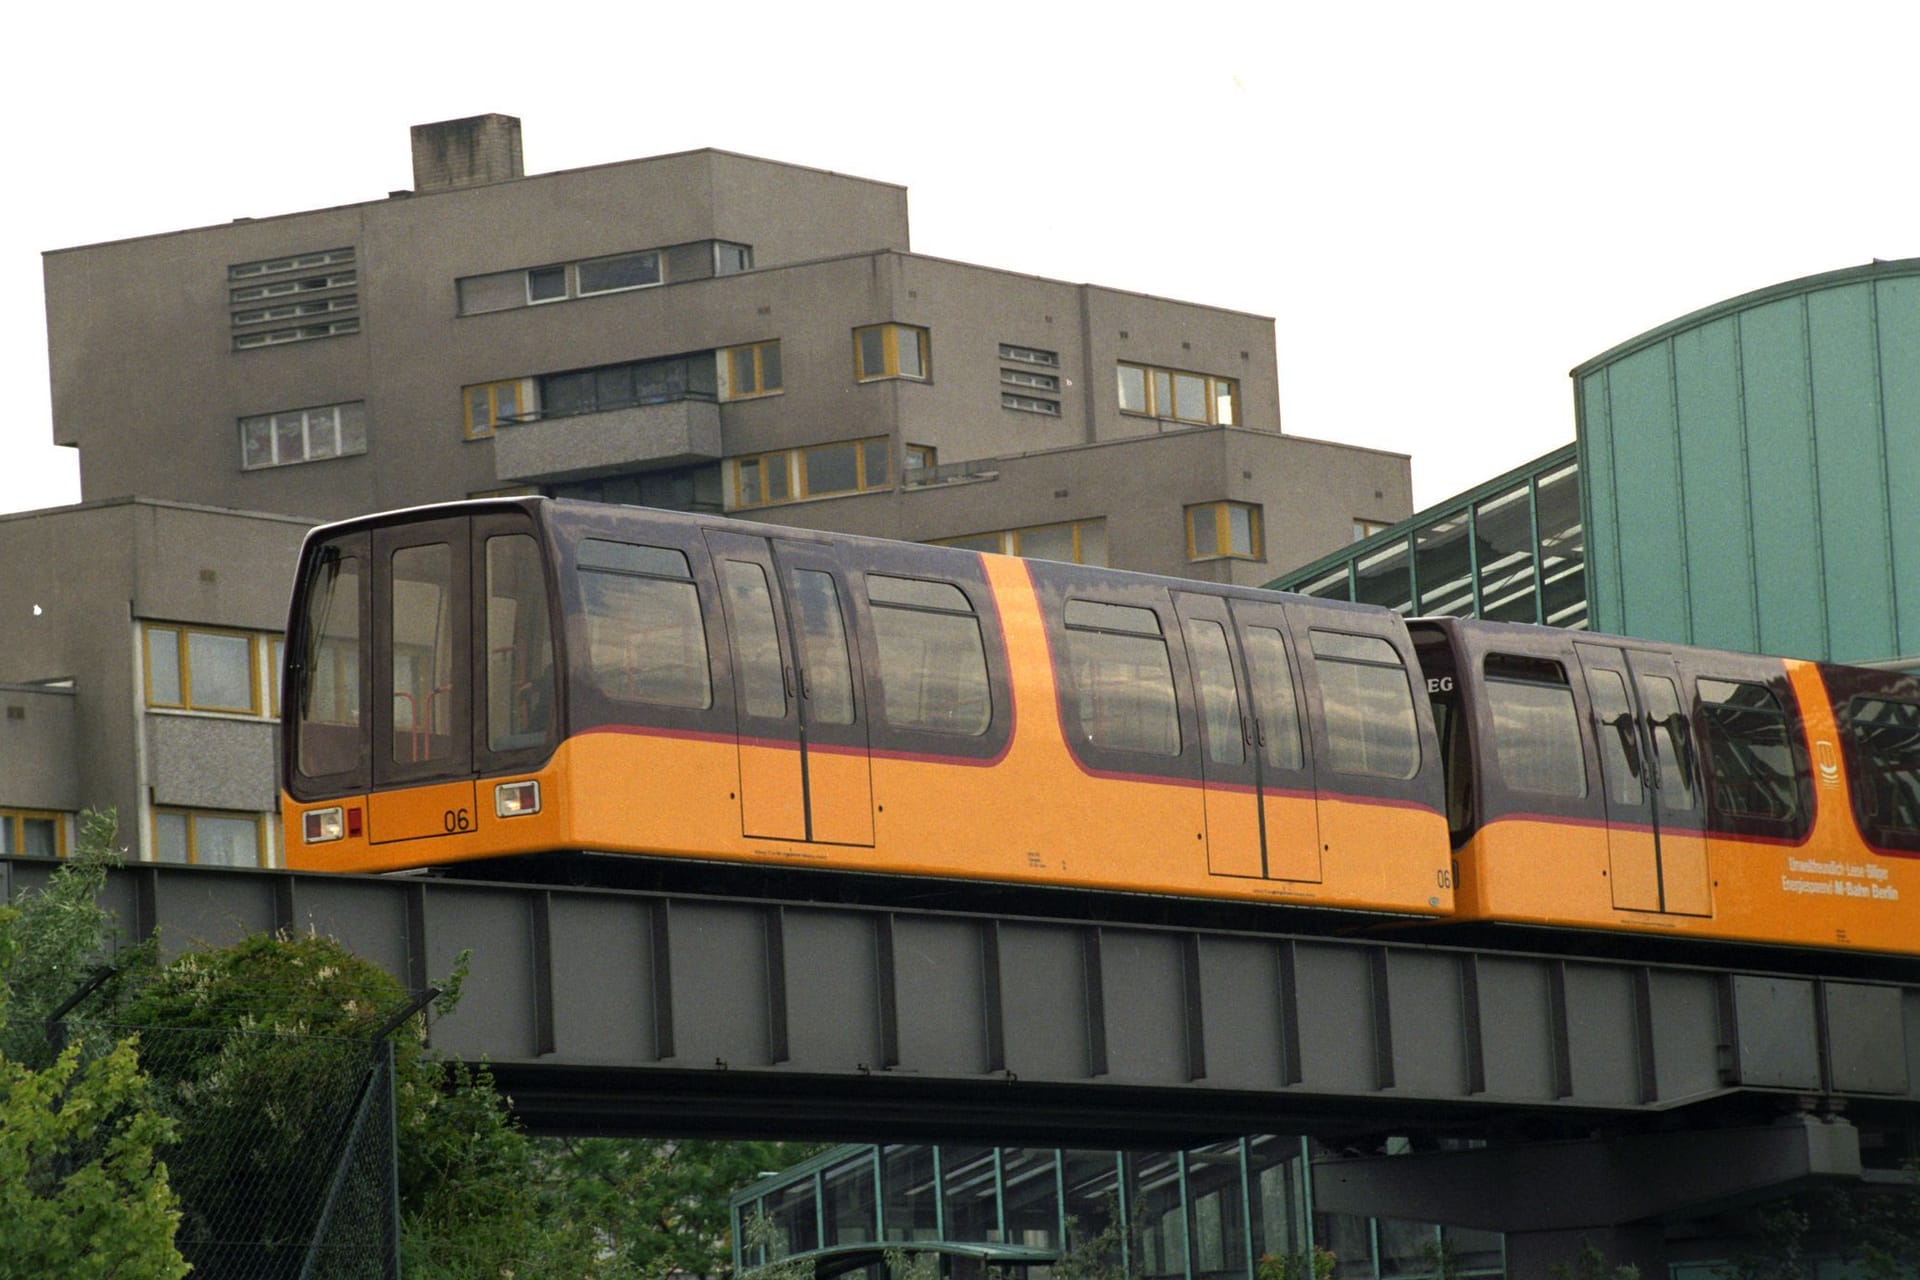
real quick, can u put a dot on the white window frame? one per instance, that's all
(327, 417)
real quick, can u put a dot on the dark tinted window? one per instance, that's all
(426, 689)
(519, 645)
(329, 694)
(1536, 731)
(1672, 743)
(1886, 734)
(756, 641)
(933, 663)
(646, 641)
(828, 677)
(1371, 727)
(1219, 693)
(1748, 750)
(1122, 677)
(1273, 700)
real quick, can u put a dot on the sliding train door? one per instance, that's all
(804, 757)
(1262, 819)
(1656, 841)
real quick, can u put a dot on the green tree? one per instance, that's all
(1316, 1264)
(1591, 1264)
(61, 936)
(82, 1192)
(764, 1239)
(274, 1036)
(1874, 1233)
(660, 1206)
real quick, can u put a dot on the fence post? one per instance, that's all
(380, 1067)
(56, 1025)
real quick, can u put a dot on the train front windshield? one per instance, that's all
(421, 652)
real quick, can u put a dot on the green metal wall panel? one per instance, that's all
(1647, 495)
(1773, 361)
(1713, 470)
(1847, 439)
(1899, 316)
(1796, 447)
(1595, 445)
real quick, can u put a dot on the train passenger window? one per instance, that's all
(646, 641)
(1122, 677)
(1886, 734)
(1536, 730)
(1371, 728)
(1749, 750)
(1219, 694)
(329, 694)
(519, 645)
(827, 674)
(933, 663)
(1619, 740)
(756, 641)
(425, 688)
(1672, 743)
(1273, 701)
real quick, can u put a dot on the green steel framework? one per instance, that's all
(1163, 1233)
(1470, 556)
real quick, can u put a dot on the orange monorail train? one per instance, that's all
(513, 677)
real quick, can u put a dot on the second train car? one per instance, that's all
(520, 676)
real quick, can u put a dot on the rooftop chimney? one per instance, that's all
(466, 153)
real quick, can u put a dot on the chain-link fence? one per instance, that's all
(284, 1158)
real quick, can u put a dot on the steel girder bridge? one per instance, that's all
(1616, 1094)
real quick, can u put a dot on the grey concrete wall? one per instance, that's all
(1309, 492)
(145, 384)
(38, 769)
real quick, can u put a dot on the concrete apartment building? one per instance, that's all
(701, 331)
(139, 670)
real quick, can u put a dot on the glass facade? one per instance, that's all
(1512, 550)
(1207, 1213)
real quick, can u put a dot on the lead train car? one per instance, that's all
(510, 677)
(519, 676)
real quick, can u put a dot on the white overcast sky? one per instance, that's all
(1444, 207)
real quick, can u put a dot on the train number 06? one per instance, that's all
(456, 820)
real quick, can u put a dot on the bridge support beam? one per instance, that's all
(1552, 1198)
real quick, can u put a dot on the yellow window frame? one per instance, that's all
(1016, 537)
(736, 484)
(755, 354)
(793, 464)
(1157, 384)
(263, 855)
(276, 670)
(863, 482)
(481, 405)
(182, 652)
(1364, 528)
(890, 339)
(1219, 515)
(15, 821)
(1010, 539)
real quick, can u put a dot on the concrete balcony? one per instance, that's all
(641, 437)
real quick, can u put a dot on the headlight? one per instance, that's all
(516, 799)
(322, 825)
